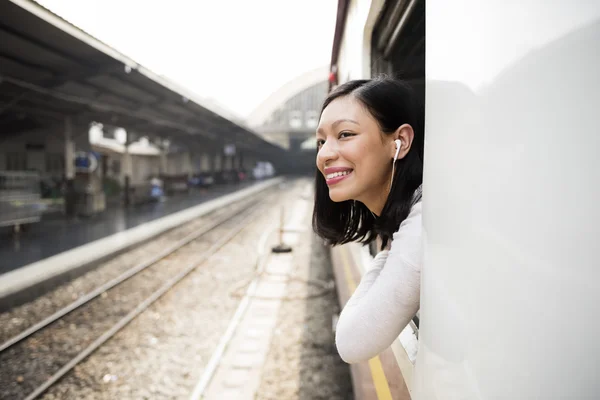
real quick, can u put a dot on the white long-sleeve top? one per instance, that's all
(387, 297)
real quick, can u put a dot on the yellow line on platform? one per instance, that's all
(347, 271)
(380, 382)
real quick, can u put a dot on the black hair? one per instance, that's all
(392, 103)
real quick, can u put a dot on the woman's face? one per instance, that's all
(353, 155)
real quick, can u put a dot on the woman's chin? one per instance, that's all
(337, 196)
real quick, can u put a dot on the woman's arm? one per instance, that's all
(387, 297)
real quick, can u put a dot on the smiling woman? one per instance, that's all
(370, 168)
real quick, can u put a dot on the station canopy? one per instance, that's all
(50, 69)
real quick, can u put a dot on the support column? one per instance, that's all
(205, 162)
(163, 161)
(224, 162)
(217, 164)
(70, 197)
(240, 159)
(187, 164)
(126, 170)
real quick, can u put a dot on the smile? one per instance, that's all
(335, 177)
(336, 174)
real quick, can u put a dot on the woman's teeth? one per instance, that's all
(336, 174)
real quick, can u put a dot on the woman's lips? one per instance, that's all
(337, 179)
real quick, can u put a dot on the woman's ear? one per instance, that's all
(406, 135)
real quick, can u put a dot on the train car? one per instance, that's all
(511, 217)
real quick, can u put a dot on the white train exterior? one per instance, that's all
(511, 280)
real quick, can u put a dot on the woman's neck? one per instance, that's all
(376, 203)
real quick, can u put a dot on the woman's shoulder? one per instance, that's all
(413, 221)
(407, 240)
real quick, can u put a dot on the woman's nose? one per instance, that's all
(326, 153)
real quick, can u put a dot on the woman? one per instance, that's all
(370, 168)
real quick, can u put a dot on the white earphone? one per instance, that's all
(398, 147)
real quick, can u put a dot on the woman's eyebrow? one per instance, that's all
(339, 121)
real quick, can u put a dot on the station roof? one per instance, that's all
(50, 69)
(261, 114)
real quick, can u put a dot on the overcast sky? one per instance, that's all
(237, 52)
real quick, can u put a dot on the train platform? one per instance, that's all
(53, 250)
(55, 234)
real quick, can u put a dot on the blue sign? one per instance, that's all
(86, 161)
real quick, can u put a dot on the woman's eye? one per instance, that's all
(320, 143)
(346, 134)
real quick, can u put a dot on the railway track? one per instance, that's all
(38, 352)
